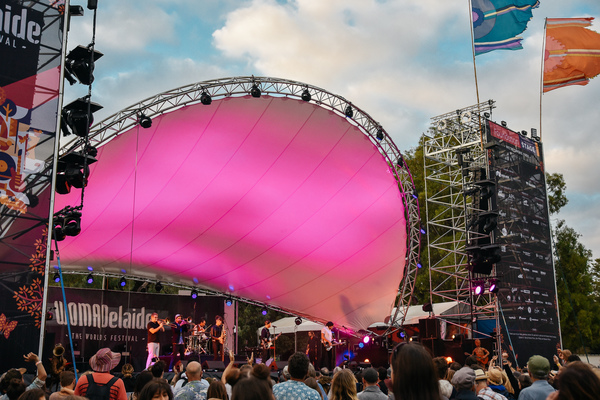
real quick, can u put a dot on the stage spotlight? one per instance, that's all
(255, 91)
(57, 233)
(400, 161)
(414, 194)
(33, 200)
(72, 224)
(205, 99)
(298, 321)
(49, 315)
(229, 302)
(379, 135)
(158, 286)
(478, 288)
(422, 230)
(427, 307)
(56, 277)
(264, 311)
(194, 294)
(75, 117)
(366, 339)
(80, 63)
(123, 281)
(361, 345)
(349, 112)
(494, 286)
(419, 265)
(306, 95)
(144, 121)
(503, 123)
(90, 279)
(487, 115)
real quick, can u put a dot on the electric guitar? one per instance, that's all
(329, 345)
(266, 344)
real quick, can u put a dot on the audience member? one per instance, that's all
(128, 379)
(67, 385)
(413, 373)
(295, 388)
(343, 386)
(382, 377)
(576, 381)
(38, 382)
(312, 373)
(482, 389)
(371, 388)
(216, 390)
(524, 381)
(33, 394)
(158, 369)
(15, 389)
(495, 381)
(539, 368)
(157, 389)
(142, 379)
(196, 388)
(464, 382)
(252, 388)
(102, 362)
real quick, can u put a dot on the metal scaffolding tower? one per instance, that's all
(460, 203)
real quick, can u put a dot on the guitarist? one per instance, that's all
(480, 353)
(265, 342)
(327, 359)
(217, 334)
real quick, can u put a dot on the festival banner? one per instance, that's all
(118, 320)
(30, 57)
(572, 53)
(496, 23)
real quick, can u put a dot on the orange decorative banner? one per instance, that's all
(572, 53)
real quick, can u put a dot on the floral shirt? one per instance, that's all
(194, 390)
(295, 390)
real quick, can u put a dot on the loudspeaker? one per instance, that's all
(429, 328)
(213, 365)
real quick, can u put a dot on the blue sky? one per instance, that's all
(403, 62)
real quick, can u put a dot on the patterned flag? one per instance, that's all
(496, 23)
(572, 53)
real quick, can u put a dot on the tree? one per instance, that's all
(556, 188)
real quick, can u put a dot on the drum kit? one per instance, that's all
(198, 341)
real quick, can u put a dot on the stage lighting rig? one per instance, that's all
(72, 223)
(379, 136)
(229, 302)
(264, 311)
(205, 98)
(123, 282)
(90, 279)
(349, 112)
(306, 95)
(158, 286)
(73, 171)
(194, 294)
(255, 91)
(58, 233)
(75, 117)
(79, 64)
(56, 277)
(144, 121)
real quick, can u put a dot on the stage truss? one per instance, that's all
(455, 139)
(172, 100)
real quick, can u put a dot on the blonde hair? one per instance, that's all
(343, 386)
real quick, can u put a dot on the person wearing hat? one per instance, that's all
(102, 362)
(481, 388)
(372, 390)
(539, 368)
(464, 382)
(495, 380)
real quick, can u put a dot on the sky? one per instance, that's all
(401, 61)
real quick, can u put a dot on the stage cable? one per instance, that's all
(62, 287)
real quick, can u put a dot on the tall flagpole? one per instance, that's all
(542, 73)
(475, 72)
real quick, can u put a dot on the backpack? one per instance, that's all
(97, 392)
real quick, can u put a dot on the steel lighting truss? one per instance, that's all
(455, 155)
(195, 93)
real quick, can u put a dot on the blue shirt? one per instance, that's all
(194, 390)
(293, 390)
(538, 390)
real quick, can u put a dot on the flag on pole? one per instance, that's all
(496, 23)
(572, 53)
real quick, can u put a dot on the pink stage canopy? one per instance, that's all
(271, 199)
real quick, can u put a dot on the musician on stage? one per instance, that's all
(312, 349)
(328, 356)
(154, 328)
(178, 329)
(265, 341)
(480, 353)
(217, 333)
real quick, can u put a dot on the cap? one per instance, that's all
(538, 367)
(463, 378)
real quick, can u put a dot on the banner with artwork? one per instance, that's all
(30, 58)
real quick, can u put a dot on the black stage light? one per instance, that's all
(264, 311)
(205, 99)
(298, 321)
(80, 63)
(494, 288)
(90, 279)
(56, 277)
(58, 233)
(255, 91)
(72, 171)
(349, 112)
(194, 294)
(144, 121)
(49, 316)
(379, 135)
(75, 117)
(306, 95)
(33, 200)
(427, 307)
(158, 286)
(123, 282)
(229, 302)
(72, 224)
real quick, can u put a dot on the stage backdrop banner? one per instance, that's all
(527, 287)
(30, 58)
(114, 319)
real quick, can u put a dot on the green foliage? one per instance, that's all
(556, 188)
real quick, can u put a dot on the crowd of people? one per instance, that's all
(413, 375)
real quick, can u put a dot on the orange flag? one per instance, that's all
(572, 53)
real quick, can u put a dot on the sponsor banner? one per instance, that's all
(118, 320)
(504, 134)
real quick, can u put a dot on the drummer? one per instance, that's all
(200, 329)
